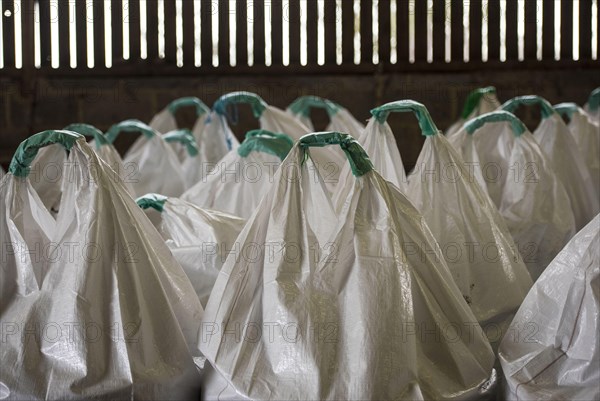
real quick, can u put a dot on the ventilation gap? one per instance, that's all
(179, 32)
(357, 49)
(521, 28)
(429, 31)
(303, 50)
(503, 30)
(161, 28)
(18, 38)
(37, 56)
(320, 32)
(576, 30)
(557, 22)
(232, 33)
(375, 31)
(2, 34)
(250, 33)
(338, 32)
(484, 32)
(448, 30)
(411, 31)
(394, 32)
(595, 29)
(143, 30)
(54, 55)
(107, 35)
(197, 34)
(539, 28)
(126, 49)
(466, 31)
(89, 13)
(268, 18)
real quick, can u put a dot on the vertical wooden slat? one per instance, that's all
(241, 32)
(402, 47)
(259, 32)
(170, 33)
(134, 30)
(45, 39)
(456, 31)
(548, 30)
(276, 33)
(63, 34)
(585, 29)
(116, 15)
(366, 31)
(512, 40)
(330, 39)
(347, 32)
(81, 33)
(188, 32)
(494, 30)
(439, 36)
(99, 45)
(27, 26)
(224, 58)
(206, 49)
(566, 30)
(8, 33)
(312, 19)
(475, 22)
(530, 29)
(152, 28)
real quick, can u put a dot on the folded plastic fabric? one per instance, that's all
(355, 306)
(191, 164)
(593, 105)
(153, 163)
(93, 304)
(586, 133)
(340, 119)
(1, 172)
(199, 239)
(238, 182)
(471, 233)
(504, 158)
(479, 101)
(558, 144)
(551, 351)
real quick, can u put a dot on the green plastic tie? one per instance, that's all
(517, 125)
(89, 131)
(200, 107)
(566, 109)
(358, 158)
(530, 100)
(129, 126)
(426, 123)
(256, 103)
(594, 100)
(184, 137)
(474, 99)
(28, 149)
(154, 201)
(259, 140)
(303, 104)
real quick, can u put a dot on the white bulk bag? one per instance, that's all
(165, 121)
(319, 306)
(199, 239)
(556, 141)
(505, 158)
(551, 351)
(470, 232)
(340, 119)
(154, 165)
(191, 165)
(593, 105)
(479, 101)
(586, 133)
(328, 162)
(94, 306)
(239, 181)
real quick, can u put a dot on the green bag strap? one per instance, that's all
(594, 100)
(303, 104)
(28, 149)
(474, 99)
(258, 105)
(89, 131)
(200, 107)
(517, 125)
(154, 201)
(129, 126)
(530, 100)
(358, 158)
(278, 145)
(566, 109)
(426, 123)
(184, 137)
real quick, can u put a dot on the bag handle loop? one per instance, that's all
(260, 140)
(566, 109)
(303, 104)
(129, 126)
(517, 125)
(529, 100)
(191, 101)
(257, 104)
(184, 137)
(474, 98)
(426, 123)
(594, 100)
(89, 131)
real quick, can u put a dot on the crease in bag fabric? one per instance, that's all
(165, 121)
(471, 233)
(521, 181)
(555, 139)
(586, 133)
(552, 350)
(239, 181)
(340, 119)
(479, 101)
(105, 312)
(320, 306)
(192, 164)
(593, 105)
(199, 239)
(154, 165)
(328, 162)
